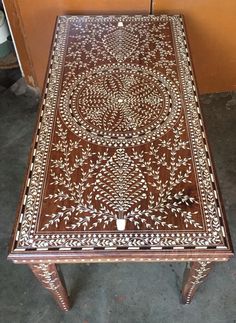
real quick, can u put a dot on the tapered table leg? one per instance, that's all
(195, 273)
(49, 277)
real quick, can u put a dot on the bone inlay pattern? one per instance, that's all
(198, 272)
(120, 157)
(48, 276)
(121, 106)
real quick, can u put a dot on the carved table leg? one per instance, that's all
(195, 273)
(49, 277)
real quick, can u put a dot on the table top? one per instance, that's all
(120, 167)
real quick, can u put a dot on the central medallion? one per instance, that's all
(120, 105)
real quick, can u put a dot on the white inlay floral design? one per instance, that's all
(84, 57)
(123, 185)
(121, 105)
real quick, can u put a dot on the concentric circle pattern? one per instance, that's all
(120, 106)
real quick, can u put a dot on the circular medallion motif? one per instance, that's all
(120, 106)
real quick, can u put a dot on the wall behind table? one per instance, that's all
(33, 24)
(211, 29)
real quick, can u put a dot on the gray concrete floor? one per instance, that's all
(113, 293)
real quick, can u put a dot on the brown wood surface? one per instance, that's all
(211, 25)
(49, 277)
(120, 167)
(33, 22)
(194, 275)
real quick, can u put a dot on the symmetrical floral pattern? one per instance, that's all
(117, 102)
(122, 183)
(119, 175)
(121, 43)
(141, 40)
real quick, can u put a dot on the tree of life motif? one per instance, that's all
(120, 43)
(109, 189)
(90, 45)
(120, 184)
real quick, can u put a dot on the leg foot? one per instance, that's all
(195, 273)
(49, 277)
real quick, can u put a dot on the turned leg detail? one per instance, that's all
(195, 273)
(49, 277)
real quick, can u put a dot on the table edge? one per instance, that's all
(120, 256)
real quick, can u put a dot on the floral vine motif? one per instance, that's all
(200, 273)
(63, 179)
(97, 41)
(169, 201)
(115, 102)
(84, 51)
(120, 184)
(197, 278)
(47, 276)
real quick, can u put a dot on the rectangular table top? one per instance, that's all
(120, 166)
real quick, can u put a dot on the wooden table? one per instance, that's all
(120, 168)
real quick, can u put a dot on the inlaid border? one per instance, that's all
(26, 239)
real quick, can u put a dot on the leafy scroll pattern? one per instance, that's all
(120, 102)
(112, 188)
(132, 42)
